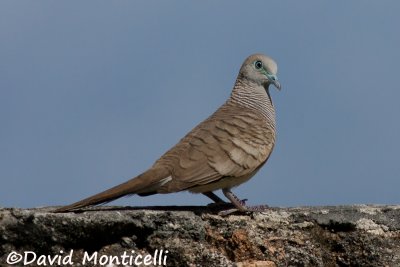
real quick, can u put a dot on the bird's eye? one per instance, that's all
(258, 64)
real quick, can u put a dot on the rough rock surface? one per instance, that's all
(362, 235)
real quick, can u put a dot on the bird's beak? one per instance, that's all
(274, 80)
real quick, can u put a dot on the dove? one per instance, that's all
(220, 153)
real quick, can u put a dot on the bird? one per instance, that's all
(222, 152)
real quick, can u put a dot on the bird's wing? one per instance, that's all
(224, 145)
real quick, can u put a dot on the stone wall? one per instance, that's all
(361, 235)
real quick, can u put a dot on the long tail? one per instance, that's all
(139, 184)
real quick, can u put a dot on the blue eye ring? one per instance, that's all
(258, 64)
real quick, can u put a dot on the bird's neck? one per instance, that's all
(253, 96)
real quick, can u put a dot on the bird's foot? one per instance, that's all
(248, 209)
(225, 205)
(240, 205)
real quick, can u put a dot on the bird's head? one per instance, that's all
(260, 69)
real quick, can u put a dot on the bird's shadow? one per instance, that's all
(213, 208)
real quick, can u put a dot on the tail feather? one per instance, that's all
(148, 179)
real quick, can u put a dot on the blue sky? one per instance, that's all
(92, 93)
